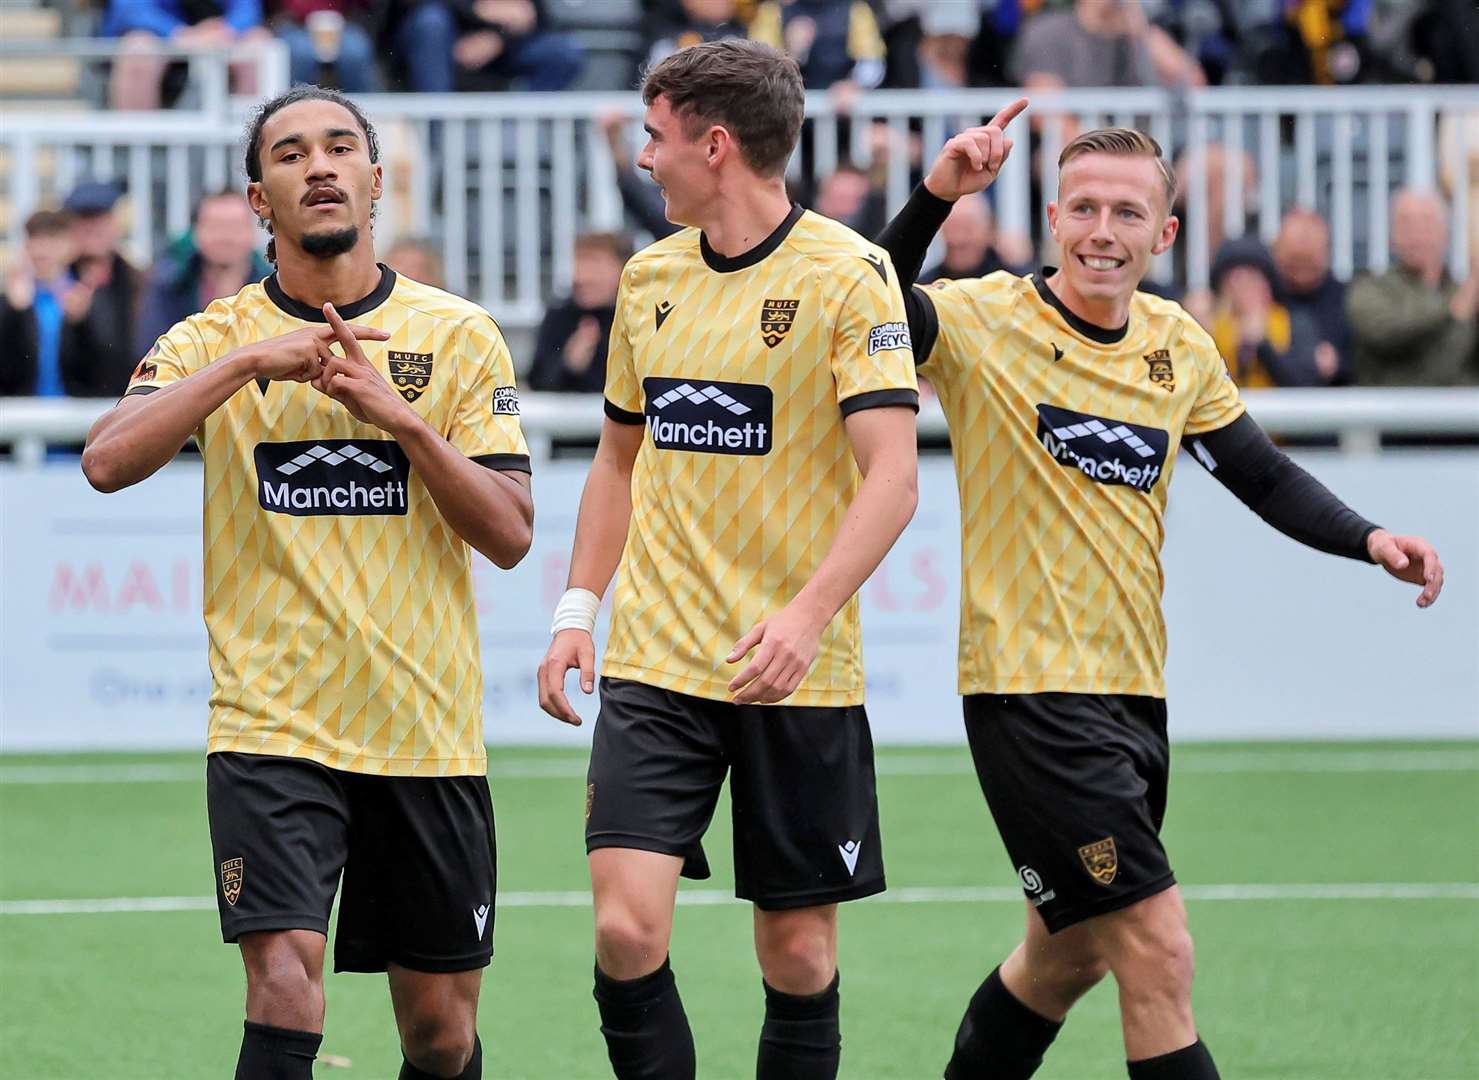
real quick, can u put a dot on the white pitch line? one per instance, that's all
(945, 764)
(963, 894)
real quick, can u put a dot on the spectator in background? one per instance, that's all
(969, 236)
(1263, 342)
(138, 74)
(640, 197)
(500, 41)
(331, 42)
(416, 38)
(837, 43)
(570, 351)
(216, 258)
(108, 286)
(39, 352)
(1100, 43)
(1306, 287)
(850, 196)
(693, 21)
(417, 258)
(1414, 325)
(1216, 163)
(1312, 41)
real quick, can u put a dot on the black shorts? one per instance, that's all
(802, 791)
(417, 855)
(1077, 785)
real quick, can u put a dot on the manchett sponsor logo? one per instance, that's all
(333, 477)
(1110, 452)
(708, 417)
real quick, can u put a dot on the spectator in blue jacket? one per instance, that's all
(140, 25)
(216, 258)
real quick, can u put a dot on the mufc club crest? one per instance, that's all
(776, 319)
(231, 876)
(1101, 860)
(1162, 374)
(411, 373)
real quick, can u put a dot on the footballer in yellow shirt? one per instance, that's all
(1068, 393)
(344, 493)
(757, 462)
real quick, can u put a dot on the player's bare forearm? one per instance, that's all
(492, 510)
(884, 442)
(138, 436)
(605, 508)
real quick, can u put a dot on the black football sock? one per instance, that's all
(1192, 1062)
(999, 1037)
(800, 1039)
(647, 1034)
(274, 1053)
(473, 1070)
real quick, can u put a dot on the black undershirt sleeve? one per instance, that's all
(1245, 461)
(907, 239)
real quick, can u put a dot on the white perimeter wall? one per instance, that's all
(102, 644)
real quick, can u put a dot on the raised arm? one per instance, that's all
(1246, 462)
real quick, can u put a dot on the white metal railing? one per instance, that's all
(1357, 416)
(507, 180)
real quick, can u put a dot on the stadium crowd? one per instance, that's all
(76, 314)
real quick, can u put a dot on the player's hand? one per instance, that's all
(301, 355)
(970, 161)
(354, 382)
(785, 646)
(1408, 558)
(569, 649)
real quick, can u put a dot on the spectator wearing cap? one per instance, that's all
(140, 25)
(218, 257)
(1307, 287)
(1262, 341)
(969, 236)
(570, 351)
(1414, 325)
(45, 350)
(110, 287)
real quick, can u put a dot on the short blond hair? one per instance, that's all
(1126, 142)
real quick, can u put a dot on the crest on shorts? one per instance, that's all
(231, 874)
(776, 319)
(411, 373)
(1161, 372)
(1101, 860)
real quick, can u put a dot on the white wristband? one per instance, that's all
(576, 611)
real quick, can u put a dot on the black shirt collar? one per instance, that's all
(299, 310)
(1083, 326)
(724, 265)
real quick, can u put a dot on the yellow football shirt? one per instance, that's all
(338, 601)
(1064, 436)
(742, 370)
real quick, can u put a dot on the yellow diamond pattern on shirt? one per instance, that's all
(346, 639)
(719, 540)
(1061, 577)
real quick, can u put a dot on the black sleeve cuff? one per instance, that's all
(880, 399)
(924, 324)
(622, 416)
(504, 462)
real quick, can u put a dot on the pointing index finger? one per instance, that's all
(345, 335)
(1008, 114)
